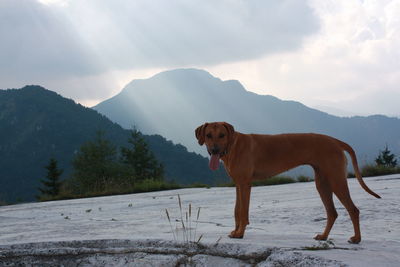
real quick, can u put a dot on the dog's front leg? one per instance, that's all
(241, 210)
(237, 212)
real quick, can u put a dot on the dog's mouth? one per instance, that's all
(214, 162)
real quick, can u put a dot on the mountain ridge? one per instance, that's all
(192, 97)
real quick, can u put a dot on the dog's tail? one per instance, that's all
(352, 154)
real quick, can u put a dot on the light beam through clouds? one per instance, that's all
(340, 54)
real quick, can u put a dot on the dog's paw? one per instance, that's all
(236, 234)
(354, 240)
(320, 237)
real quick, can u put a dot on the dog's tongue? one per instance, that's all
(214, 162)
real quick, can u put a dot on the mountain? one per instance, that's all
(174, 103)
(36, 124)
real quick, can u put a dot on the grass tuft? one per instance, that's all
(147, 185)
(188, 232)
(375, 170)
(275, 180)
(303, 179)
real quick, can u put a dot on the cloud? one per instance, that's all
(35, 42)
(59, 38)
(340, 54)
(352, 63)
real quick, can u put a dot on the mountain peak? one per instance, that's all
(183, 76)
(26, 88)
(31, 91)
(184, 72)
(33, 87)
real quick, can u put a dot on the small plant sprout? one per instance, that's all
(186, 222)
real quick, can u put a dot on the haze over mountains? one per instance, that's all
(174, 103)
(37, 124)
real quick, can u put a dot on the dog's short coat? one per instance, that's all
(249, 157)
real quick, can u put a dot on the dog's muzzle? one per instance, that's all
(215, 155)
(216, 151)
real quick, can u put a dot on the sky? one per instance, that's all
(339, 56)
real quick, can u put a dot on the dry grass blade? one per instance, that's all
(188, 225)
(197, 222)
(183, 224)
(170, 225)
(198, 241)
(180, 203)
(198, 213)
(166, 211)
(219, 239)
(190, 221)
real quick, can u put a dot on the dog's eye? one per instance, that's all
(221, 135)
(209, 135)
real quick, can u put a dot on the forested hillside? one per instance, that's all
(37, 124)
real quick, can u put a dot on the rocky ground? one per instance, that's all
(134, 229)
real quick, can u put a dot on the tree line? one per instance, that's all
(99, 168)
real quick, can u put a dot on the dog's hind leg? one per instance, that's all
(326, 194)
(337, 177)
(341, 190)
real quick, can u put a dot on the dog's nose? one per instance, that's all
(215, 150)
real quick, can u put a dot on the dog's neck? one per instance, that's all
(225, 156)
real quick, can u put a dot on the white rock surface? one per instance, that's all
(283, 220)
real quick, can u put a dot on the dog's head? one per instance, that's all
(217, 136)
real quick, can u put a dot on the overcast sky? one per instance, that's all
(341, 56)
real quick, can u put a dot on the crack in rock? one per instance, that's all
(151, 252)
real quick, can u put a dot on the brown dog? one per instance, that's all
(249, 157)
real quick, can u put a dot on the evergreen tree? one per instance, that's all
(386, 158)
(140, 161)
(52, 183)
(96, 165)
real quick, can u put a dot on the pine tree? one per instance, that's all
(141, 162)
(95, 165)
(52, 183)
(386, 158)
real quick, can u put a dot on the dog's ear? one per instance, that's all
(230, 130)
(200, 133)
